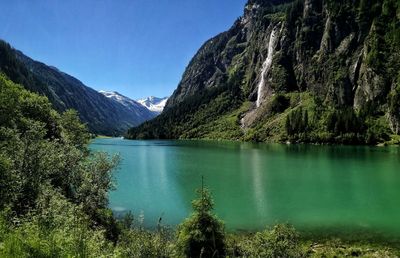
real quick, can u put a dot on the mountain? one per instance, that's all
(134, 106)
(319, 71)
(102, 115)
(154, 104)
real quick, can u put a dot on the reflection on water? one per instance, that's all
(255, 185)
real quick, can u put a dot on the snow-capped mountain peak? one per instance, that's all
(119, 98)
(153, 103)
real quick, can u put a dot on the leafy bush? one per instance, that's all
(137, 242)
(280, 241)
(57, 228)
(41, 149)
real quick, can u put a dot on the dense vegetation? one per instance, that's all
(334, 77)
(53, 191)
(102, 115)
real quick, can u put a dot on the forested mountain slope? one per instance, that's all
(303, 70)
(102, 115)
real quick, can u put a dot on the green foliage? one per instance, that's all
(311, 122)
(293, 12)
(44, 154)
(94, 181)
(349, 127)
(275, 17)
(280, 241)
(75, 132)
(338, 248)
(57, 228)
(279, 104)
(192, 113)
(394, 107)
(137, 242)
(344, 121)
(202, 234)
(375, 56)
(6, 182)
(378, 131)
(297, 122)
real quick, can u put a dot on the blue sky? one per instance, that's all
(137, 47)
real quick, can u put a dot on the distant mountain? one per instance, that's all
(103, 115)
(131, 104)
(154, 104)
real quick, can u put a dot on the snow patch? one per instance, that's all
(153, 103)
(120, 98)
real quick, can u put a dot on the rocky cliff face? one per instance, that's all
(298, 67)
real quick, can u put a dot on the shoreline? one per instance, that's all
(395, 142)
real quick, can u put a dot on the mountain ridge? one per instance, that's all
(102, 115)
(134, 106)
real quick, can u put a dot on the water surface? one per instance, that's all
(255, 185)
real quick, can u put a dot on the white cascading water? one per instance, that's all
(266, 66)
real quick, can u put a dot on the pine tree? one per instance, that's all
(202, 234)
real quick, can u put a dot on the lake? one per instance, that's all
(255, 185)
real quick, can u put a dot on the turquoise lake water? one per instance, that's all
(255, 185)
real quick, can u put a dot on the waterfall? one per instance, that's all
(266, 65)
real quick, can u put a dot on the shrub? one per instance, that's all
(57, 228)
(137, 242)
(281, 241)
